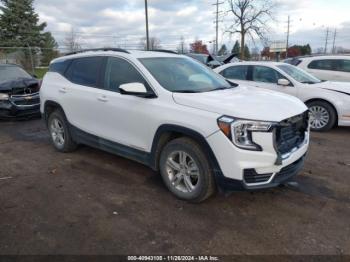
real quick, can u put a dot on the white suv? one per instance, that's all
(176, 116)
(331, 68)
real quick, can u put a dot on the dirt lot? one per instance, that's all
(91, 202)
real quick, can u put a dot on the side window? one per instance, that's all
(85, 71)
(266, 75)
(118, 72)
(236, 72)
(325, 64)
(60, 67)
(342, 65)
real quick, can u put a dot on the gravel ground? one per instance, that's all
(92, 202)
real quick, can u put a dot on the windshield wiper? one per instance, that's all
(187, 91)
(308, 82)
(222, 88)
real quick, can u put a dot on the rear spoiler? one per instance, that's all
(229, 58)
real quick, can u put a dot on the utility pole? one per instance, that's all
(216, 49)
(288, 27)
(326, 44)
(335, 35)
(147, 31)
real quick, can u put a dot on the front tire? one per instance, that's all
(185, 170)
(323, 116)
(59, 132)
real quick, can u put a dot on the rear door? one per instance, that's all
(237, 74)
(342, 67)
(79, 97)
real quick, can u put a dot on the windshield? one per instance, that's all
(9, 73)
(298, 74)
(179, 74)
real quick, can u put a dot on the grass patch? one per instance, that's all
(40, 72)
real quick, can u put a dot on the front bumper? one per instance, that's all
(251, 170)
(20, 106)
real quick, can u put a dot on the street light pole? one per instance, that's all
(147, 32)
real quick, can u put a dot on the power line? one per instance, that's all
(326, 44)
(335, 35)
(217, 25)
(287, 44)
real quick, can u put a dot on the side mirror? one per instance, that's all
(136, 89)
(283, 82)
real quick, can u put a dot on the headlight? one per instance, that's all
(240, 131)
(4, 97)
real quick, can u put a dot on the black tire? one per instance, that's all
(331, 112)
(68, 145)
(205, 186)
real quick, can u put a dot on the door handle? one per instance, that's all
(63, 90)
(102, 98)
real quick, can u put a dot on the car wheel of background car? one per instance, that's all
(186, 171)
(322, 117)
(59, 131)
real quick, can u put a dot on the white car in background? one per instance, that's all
(332, 68)
(329, 102)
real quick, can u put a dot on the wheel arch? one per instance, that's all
(169, 132)
(328, 102)
(49, 107)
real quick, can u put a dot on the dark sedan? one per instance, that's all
(19, 92)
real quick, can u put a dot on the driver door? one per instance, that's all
(267, 77)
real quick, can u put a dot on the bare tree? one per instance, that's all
(154, 43)
(181, 48)
(250, 18)
(71, 41)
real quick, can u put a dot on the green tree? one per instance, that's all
(223, 50)
(246, 52)
(20, 27)
(236, 48)
(49, 50)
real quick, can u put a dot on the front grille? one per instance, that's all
(290, 133)
(25, 102)
(250, 176)
(32, 89)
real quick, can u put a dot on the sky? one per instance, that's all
(122, 23)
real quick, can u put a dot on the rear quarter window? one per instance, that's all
(85, 71)
(60, 66)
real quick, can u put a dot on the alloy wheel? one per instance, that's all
(183, 172)
(57, 132)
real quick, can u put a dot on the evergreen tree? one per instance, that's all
(236, 48)
(20, 27)
(49, 50)
(223, 50)
(247, 52)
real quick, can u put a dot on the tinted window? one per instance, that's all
(85, 71)
(266, 74)
(60, 66)
(342, 65)
(236, 72)
(325, 64)
(118, 72)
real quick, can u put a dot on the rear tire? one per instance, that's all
(59, 132)
(186, 171)
(323, 116)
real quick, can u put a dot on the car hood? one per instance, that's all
(17, 83)
(244, 102)
(341, 87)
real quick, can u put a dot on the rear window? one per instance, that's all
(85, 71)
(236, 72)
(60, 66)
(293, 61)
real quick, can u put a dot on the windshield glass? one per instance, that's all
(179, 74)
(9, 73)
(298, 74)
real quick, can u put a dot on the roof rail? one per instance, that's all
(164, 51)
(98, 49)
